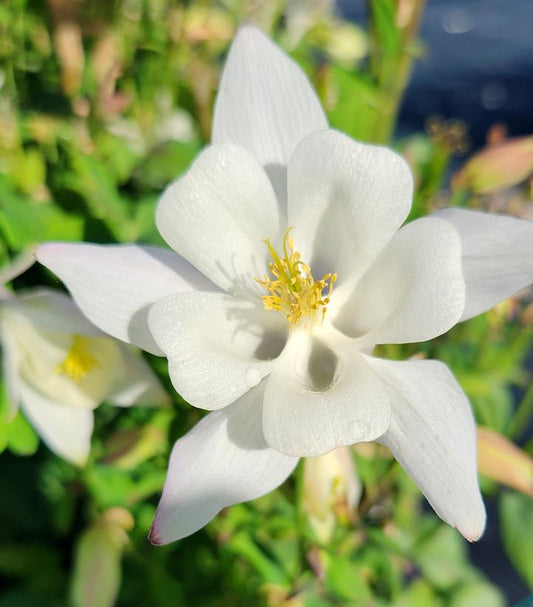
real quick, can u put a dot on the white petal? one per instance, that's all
(66, 430)
(51, 310)
(10, 366)
(346, 201)
(138, 385)
(218, 346)
(318, 398)
(115, 285)
(217, 215)
(497, 256)
(413, 292)
(43, 353)
(222, 461)
(265, 102)
(433, 436)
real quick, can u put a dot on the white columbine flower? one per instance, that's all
(59, 367)
(290, 265)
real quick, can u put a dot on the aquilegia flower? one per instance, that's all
(290, 265)
(59, 367)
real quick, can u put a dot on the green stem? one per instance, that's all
(392, 69)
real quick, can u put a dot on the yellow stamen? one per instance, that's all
(293, 291)
(78, 361)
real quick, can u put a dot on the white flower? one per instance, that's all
(300, 381)
(58, 367)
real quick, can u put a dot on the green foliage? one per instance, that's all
(516, 512)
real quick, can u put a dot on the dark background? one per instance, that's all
(478, 65)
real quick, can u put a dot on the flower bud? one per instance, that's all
(96, 578)
(501, 460)
(497, 167)
(331, 490)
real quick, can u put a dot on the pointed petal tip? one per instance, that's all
(80, 461)
(249, 36)
(154, 538)
(160, 534)
(247, 32)
(155, 535)
(473, 529)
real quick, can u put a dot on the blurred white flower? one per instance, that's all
(282, 353)
(58, 367)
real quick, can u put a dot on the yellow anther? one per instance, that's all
(293, 290)
(78, 361)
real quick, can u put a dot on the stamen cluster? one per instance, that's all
(293, 290)
(78, 361)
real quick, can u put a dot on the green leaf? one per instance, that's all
(117, 154)
(24, 222)
(356, 103)
(28, 170)
(165, 163)
(243, 545)
(418, 594)
(112, 486)
(516, 516)
(4, 408)
(34, 561)
(442, 558)
(344, 578)
(22, 438)
(387, 35)
(96, 184)
(144, 221)
(476, 594)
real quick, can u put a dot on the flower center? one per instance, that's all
(292, 289)
(78, 361)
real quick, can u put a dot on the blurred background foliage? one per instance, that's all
(101, 105)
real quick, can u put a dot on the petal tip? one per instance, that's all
(154, 538)
(154, 535)
(247, 32)
(78, 460)
(473, 529)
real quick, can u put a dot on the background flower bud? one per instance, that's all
(97, 571)
(331, 490)
(497, 167)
